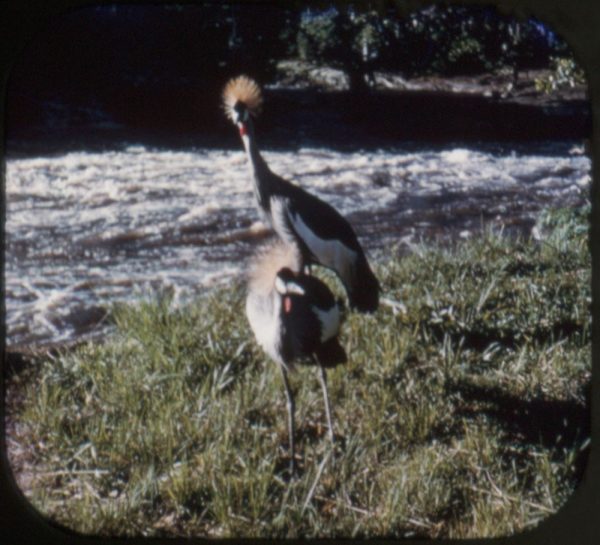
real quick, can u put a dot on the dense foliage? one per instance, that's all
(438, 40)
(106, 53)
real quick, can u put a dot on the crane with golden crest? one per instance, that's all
(319, 232)
(295, 319)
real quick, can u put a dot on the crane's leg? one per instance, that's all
(290, 409)
(323, 380)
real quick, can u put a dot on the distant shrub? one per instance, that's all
(565, 73)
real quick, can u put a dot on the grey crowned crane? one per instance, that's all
(295, 319)
(320, 233)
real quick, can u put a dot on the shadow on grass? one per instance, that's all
(480, 339)
(551, 424)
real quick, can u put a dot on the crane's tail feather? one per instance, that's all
(331, 353)
(242, 89)
(364, 292)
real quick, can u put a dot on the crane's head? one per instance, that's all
(240, 113)
(287, 286)
(268, 262)
(286, 283)
(242, 98)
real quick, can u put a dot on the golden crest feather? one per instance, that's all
(268, 261)
(242, 89)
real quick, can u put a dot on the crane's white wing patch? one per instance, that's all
(329, 252)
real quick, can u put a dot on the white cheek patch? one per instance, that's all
(330, 253)
(330, 322)
(295, 288)
(279, 285)
(288, 287)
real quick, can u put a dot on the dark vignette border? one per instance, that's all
(578, 22)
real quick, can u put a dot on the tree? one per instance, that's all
(438, 40)
(345, 38)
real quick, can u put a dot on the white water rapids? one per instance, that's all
(85, 229)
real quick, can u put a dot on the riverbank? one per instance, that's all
(305, 106)
(479, 379)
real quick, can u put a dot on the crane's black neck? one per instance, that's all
(261, 173)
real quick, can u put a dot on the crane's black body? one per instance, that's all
(302, 331)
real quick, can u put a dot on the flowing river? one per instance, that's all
(86, 229)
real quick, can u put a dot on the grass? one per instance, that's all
(465, 414)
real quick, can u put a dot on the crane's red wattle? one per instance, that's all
(243, 129)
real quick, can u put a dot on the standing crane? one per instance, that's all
(295, 318)
(321, 235)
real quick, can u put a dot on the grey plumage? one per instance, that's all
(295, 319)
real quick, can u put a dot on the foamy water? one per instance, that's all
(86, 229)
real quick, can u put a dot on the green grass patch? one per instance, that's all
(463, 413)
